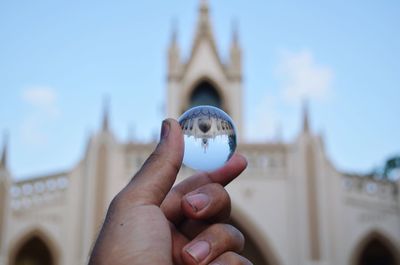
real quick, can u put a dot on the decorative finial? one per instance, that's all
(174, 31)
(306, 125)
(235, 32)
(105, 123)
(3, 161)
(204, 5)
(204, 11)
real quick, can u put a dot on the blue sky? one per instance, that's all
(59, 58)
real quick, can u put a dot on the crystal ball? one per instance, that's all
(209, 136)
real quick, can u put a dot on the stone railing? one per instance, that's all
(369, 187)
(267, 159)
(37, 192)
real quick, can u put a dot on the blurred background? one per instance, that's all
(312, 76)
(59, 60)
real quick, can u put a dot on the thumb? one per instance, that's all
(154, 180)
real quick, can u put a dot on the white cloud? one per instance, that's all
(302, 77)
(43, 111)
(42, 98)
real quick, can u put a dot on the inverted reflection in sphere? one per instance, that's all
(210, 137)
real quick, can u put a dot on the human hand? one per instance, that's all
(150, 223)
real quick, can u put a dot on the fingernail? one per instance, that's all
(165, 129)
(198, 201)
(199, 250)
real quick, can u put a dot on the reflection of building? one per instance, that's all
(204, 123)
(291, 203)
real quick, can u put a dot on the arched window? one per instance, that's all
(205, 94)
(376, 252)
(34, 252)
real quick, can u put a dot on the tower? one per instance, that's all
(204, 79)
(4, 191)
(98, 182)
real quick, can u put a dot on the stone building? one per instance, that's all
(291, 203)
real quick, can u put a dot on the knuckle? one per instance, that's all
(176, 193)
(116, 201)
(218, 189)
(223, 194)
(237, 237)
(230, 236)
(218, 192)
(115, 206)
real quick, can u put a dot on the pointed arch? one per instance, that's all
(259, 248)
(209, 84)
(205, 94)
(374, 246)
(37, 238)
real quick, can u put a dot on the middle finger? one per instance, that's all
(171, 206)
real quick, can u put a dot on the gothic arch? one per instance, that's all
(255, 236)
(375, 239)
(188, 93)
(39, 236)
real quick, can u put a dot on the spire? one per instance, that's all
(174, 61)
(174, 32)
(306, 124)
(204, 7)
(235, 33)
(204, 20)
(203, 31)
(105, 122)
(235, 53)
(3, 161)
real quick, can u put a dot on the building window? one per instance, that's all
(34, 252)
(205, 94)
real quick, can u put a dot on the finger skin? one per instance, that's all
(231, 258)
(192, 228)
(171, 206)
(219, 238)
(210, 201)
(136, 230)
(154, 180)
(178, 242)
(140, 236)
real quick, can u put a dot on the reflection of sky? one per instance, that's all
(215, 156)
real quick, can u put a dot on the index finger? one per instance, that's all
(171, 206)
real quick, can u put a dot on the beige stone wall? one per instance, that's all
(270, 201)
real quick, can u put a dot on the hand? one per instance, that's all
(150, 223)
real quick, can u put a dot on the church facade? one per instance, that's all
(291, 203)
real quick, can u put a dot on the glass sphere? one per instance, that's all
(209, 136)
